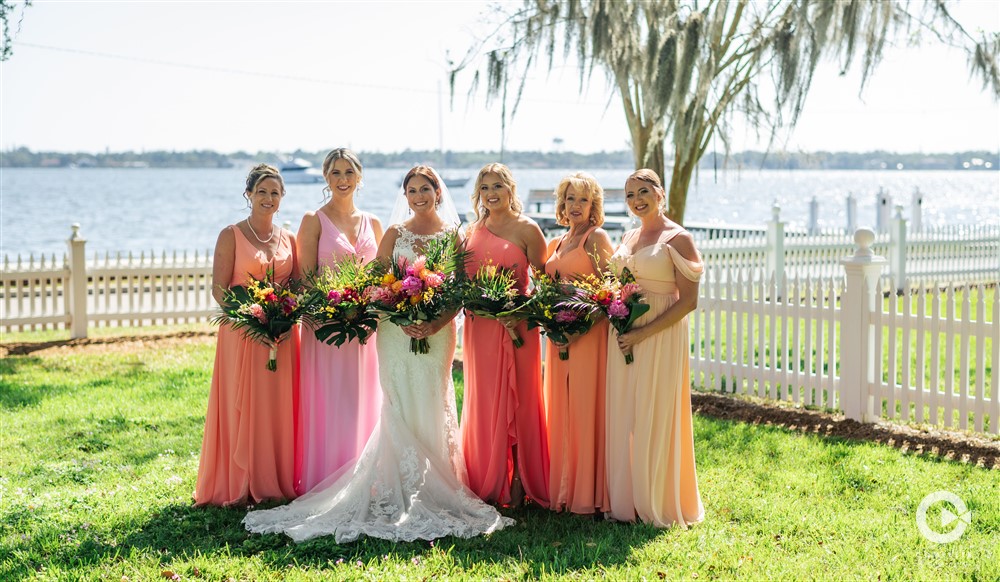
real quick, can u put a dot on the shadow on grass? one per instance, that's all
(542, 542)
(15, 394)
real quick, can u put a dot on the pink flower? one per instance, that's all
(258, 312)
(334, 297)
(566, 316)
(288, 305)
(433, 280)
(401, 262)
(412, 285)
(628, 290)
(618, 309)
(419, 264)
(378, 294)
(271, 298)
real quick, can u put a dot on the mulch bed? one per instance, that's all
(951, 445)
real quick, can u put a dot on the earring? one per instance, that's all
(327, 192)
(361, 184)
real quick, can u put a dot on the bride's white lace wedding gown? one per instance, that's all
(410, 480)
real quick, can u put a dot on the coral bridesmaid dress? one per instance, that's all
(248, 449)
(503, 398)
(340, 394)
(574, 394)
(650, 458)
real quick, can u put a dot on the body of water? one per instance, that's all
(184, 209)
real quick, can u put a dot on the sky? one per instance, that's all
(266, 76)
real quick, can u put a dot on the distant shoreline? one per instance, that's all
(466, 162)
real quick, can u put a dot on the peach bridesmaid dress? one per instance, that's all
(574, 394)
(340, 393)
(503, 398)
(248, 449)
(650, 455)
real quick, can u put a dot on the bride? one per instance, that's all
(410, 480)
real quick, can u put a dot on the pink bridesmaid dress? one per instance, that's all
(574, 394)
(650, 454)
(503, 398)
(340, 393)
(248, 451)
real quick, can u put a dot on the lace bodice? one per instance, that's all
(410, 244)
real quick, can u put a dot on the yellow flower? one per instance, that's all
(388, 279)
(428, 294)
(397, 286)
(490, 270)
(414, 300)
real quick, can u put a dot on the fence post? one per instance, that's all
(776, 246)
(883, 209)
(916, 210)
(897, 249)
(77, 303)
(814, 216)
(852, 212)
(857, 336)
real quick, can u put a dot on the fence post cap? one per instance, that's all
(75, 235)
(863, 238)
(899, 212)
(775, 212)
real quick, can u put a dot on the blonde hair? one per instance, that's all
(258, 174)
(653, 179)
(584, 184)
(506, 178)
(342, 154)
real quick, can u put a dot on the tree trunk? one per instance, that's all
(654, 159)
(680, 181)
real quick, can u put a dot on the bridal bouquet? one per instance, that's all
(492, 293)
(620, 299)
(264, 310)
(337, 305)
(553, 309)
(405, 292)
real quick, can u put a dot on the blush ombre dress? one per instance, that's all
(503, 397)
(650, 455)
(340, 394)
(248, 449)
(574, 394)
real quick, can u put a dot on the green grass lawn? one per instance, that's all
(98, 457)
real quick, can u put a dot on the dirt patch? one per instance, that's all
(955, 446)
(951, 445)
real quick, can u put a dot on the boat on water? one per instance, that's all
(299, 171)
(455, 181)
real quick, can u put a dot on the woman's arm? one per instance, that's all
(687, 300)
(307, 246)
(534, 244)
(223, 264)
(377, 227)
(387, 245)
(599, 249)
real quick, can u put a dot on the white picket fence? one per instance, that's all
(851, 343)
(827, 332)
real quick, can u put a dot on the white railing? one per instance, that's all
(851, 343)
(121, 289)
(954, 254)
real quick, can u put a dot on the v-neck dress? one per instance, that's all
(650, 440)
(340, 393)
(248, 453)
(503, 404)
(574, 396)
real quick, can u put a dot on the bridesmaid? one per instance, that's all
(340, 395)
(503, 418)
(574, 388)
(650, 455)
(247, 454)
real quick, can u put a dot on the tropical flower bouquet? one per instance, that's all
(553, 309)
(338, 307)
(405, 292)
(620, 299)
(492, 293)
(264, 310)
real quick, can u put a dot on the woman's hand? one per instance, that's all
(421, 329)
(509, 321)
(629, 340)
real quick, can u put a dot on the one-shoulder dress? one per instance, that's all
(503, 406)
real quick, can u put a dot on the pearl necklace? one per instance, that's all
(260, 240)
